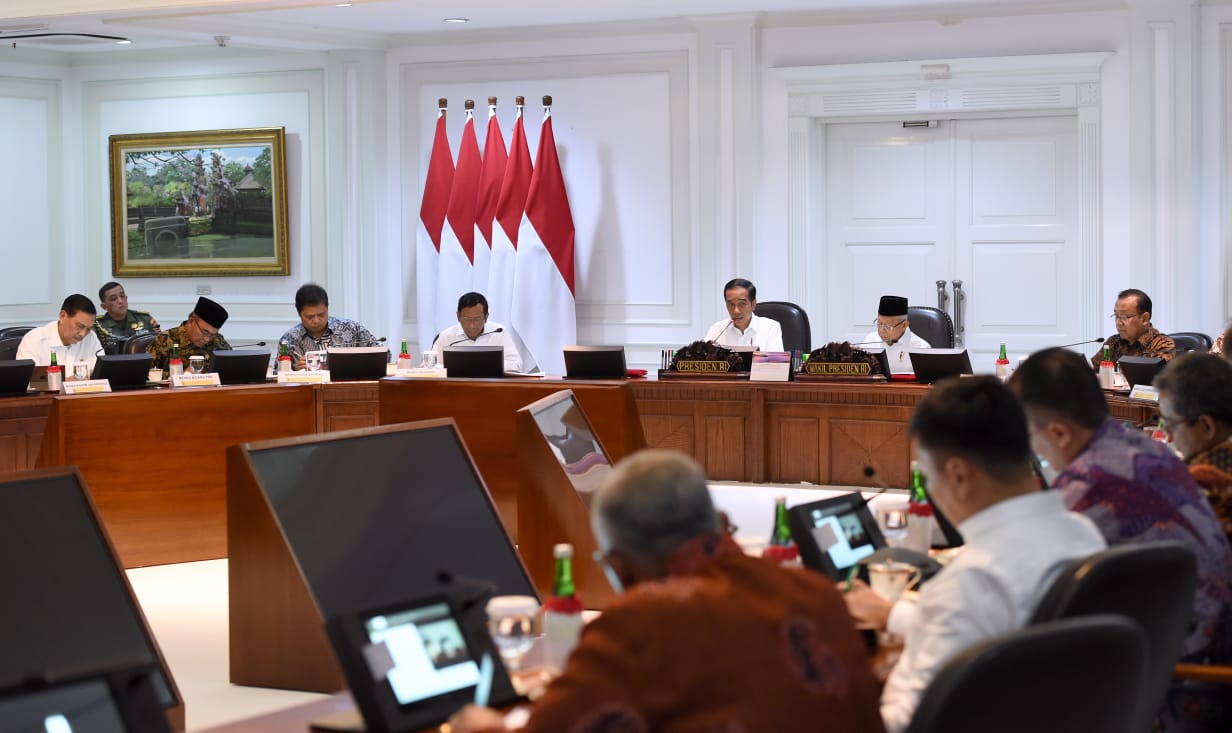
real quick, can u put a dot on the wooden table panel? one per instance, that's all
(347, 405)
(155, 460)
(21, 431)
(719, 423)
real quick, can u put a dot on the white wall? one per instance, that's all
(673, 143)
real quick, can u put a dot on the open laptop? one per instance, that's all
(595, 362)
(15, 377)
(931, 365)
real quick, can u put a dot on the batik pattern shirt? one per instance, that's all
(1152, 342)
(161, 348)
(1212, 469)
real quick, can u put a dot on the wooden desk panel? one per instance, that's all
(22, 420)
(155, 460)
(347, 405)
(718, 423)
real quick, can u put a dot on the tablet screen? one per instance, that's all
(840, 534)
(421, 653)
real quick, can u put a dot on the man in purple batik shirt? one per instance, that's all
(1135, 490)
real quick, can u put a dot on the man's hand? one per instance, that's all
(301, 363)
(865, 605)
(474, 719)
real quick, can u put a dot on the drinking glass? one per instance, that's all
(429, 360)
(513, 622)
(196, 364)
(892, 520)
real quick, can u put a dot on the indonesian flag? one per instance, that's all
(510, 205)
(543, 294)
(490, 175)
(455, 269)
(432, 211)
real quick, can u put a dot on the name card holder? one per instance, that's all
(1144, 392)
(320, 376)
(771, 366)
(195, 380)
(86, 386)
(420, 373)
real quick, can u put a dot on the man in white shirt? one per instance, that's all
(973, 446)
(474, 329)
(893, 332)
(745, 328)
(71, 336)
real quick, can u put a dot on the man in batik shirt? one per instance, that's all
(318, 330)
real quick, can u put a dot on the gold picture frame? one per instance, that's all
(212, 203)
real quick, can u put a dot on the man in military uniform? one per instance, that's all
(196, 336)
(118, 322)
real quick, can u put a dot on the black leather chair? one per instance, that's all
(8, 331)
(1071, 676)
(138, 344)
(1192, 341)
(8, 347)
(931, 324)
(1153, 584)
(797, 334)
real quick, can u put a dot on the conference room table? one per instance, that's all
(155, 459)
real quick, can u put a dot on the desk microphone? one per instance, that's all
(468, 338)
(715, 340)
(1097, 340)
(245, 346)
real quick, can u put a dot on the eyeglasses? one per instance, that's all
(1119, 318)
(207, 333)
(472, 319)
(888, 326)
(1168, 424)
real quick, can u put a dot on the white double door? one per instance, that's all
(990, 202)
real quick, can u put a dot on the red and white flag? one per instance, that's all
(432, 211)
(510, 205)
(456, 267)
(543, 295)
(490, 175)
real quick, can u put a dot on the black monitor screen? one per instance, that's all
(1140, 369)
(123, 371)
(15, 376)
(82, 706)
(595, 362)
(67, 609)
(573, 442)
(373, 519)
(242, 366)
(474, 361)
(356, 363)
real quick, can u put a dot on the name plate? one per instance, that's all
(838, 368)
(1144, 392)
(195, 380)
(433, 373)
(702, 366)
(771, 366)
(317, 377)
(86, 386)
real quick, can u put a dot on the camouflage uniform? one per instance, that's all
(111, 332)
(161, 348)
(1150, 343)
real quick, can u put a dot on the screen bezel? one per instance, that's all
(123, 371)
(1134, 368)
(242, 365)
(595, 362)
(357, 364)
(800, 518)
(931, 365)
(375, 698)
(13, 369)
(474, 362)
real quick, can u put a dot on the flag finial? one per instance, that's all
(547, 100)
(491, 101)
(470, 105)
(519, 100)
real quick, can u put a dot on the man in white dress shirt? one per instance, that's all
(974, 450)
(474, 329)
(71, 336)
(893, 332)
(745, 328)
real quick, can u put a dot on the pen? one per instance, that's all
(484, 688)
(851, 577)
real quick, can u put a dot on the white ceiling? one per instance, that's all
(321, 25)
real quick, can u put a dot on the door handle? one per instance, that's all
(943, 298)
(960, 314)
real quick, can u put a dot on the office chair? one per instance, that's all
(1071, 676)
(138, 344)
(8, 331)
(1153, 584)
(8, 347)
(1192, 341)
(797, 334)
(931, 324)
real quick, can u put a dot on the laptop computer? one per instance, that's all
(1140, 369)
(931, 365)
(15, 377)
(476, 362)
(595, 362)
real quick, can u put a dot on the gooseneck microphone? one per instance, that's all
(1097, 340)
(718, 335)
(468, 338)
(245, 346)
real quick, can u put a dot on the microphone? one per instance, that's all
(870, 473)
(245, 346)
(1097, 340)
(468, 338)
(715, 340)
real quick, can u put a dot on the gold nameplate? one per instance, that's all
(702, 366)
(837, 369)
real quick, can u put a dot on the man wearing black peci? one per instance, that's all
(474, 329)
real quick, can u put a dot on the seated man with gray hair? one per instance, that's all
(703, 637)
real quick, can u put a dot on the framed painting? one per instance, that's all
(199, 203)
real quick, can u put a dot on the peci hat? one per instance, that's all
(210, 312)
(892, 305)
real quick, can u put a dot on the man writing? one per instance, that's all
(1135, 335)
(318, 330)
(118, 321)
(196, 336)
(745, 328)
(71, 336)
(474, 329)
(703, 637)
(971, 439)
